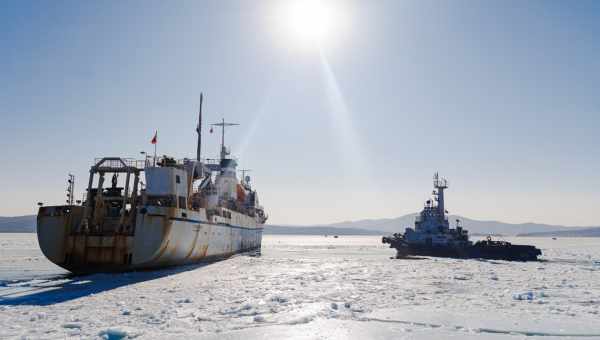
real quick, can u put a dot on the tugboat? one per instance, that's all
(432, 236)
(187, 211)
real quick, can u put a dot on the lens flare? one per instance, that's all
(351, 150)
(309, 22)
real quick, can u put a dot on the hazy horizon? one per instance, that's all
(499, 97)
(342, 222)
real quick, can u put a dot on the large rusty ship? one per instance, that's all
(181, 212)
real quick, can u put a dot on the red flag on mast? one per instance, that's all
(155, 138)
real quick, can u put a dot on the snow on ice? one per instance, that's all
(305, 287)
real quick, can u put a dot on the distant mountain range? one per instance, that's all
(577, 232)
(393, 225)
(384, 226)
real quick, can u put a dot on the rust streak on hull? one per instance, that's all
(193, 247)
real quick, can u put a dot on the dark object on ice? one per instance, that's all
(335, 236)
(432, 236)
(487, 249)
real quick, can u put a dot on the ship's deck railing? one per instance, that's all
(183, 161)
(216, 160)
(115, 163)
(107, 164)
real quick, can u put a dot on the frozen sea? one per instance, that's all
(309, 287)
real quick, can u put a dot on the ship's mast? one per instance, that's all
(440, 184)
(223, 124)
(71, 189)
(199, 130)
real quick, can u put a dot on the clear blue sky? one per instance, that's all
(500, 97)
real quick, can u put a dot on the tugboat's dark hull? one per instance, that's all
(512, 252)
(506, 252)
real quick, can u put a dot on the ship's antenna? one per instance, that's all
(244, 171)
(70, 189)
(223, 124)
(199, 130)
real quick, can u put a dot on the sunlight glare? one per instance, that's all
(357, 171)
(310, 21)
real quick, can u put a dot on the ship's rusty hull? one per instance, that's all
(162, 237)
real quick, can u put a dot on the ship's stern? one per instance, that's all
(54, 224)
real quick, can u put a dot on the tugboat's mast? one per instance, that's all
(440, 184)
(223, 124)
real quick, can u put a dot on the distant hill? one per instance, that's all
(392, 225)
(27, 224)
(18, 224)
(583, 232)
(475, 227)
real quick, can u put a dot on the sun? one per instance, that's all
(309, 21)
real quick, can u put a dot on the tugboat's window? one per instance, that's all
(177, 179)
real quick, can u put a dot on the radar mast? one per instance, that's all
(223, 124)
(440, 184)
